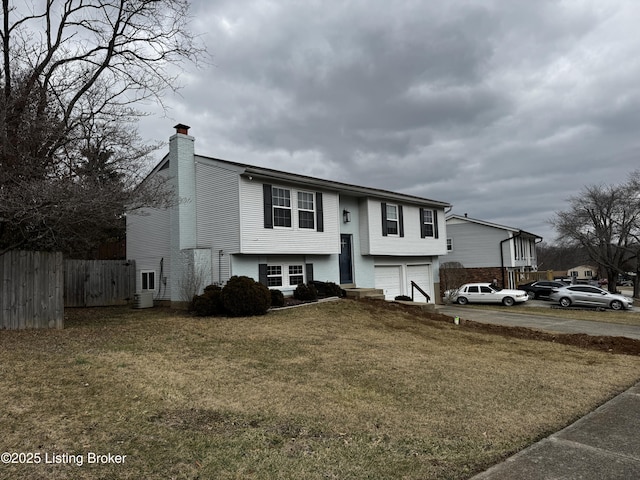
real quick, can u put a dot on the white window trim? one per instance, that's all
(281, 207)
(285, 275)
(396, 220)
(280, 276)
(142, 274)
(449, 244)
(432, 223)
(300, 209)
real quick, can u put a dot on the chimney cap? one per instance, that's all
(182, 128)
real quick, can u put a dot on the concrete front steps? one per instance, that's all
(353, 292)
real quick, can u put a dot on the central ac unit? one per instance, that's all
(143, 300)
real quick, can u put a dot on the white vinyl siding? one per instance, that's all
(256, 239)
(373, 242)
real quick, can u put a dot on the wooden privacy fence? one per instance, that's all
(98, 283)
(526, 277)
(31, 292)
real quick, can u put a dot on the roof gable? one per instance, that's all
(456, 219)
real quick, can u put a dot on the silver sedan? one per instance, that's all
(588, 296)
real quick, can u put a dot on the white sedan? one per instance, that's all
(485, 293)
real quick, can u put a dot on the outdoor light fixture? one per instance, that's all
(346, 216)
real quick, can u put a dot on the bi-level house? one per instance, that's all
(489, 250)
(281, 229)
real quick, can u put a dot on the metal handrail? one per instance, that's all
(415, 285)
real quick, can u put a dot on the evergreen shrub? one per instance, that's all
(305, 292)
(277, 298)
(244, 297)
(209, 303)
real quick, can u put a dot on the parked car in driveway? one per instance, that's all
(541, 288)
(589, 296)
(485, 293)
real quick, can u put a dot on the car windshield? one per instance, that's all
(493, 289)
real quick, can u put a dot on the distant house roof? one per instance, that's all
(490, 224)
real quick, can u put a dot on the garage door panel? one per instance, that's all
(387, 278)
(421, 275)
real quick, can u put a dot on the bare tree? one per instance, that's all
(605, 221)
(72, 74)
(560, 256)
(452, 276)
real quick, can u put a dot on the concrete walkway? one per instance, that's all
(603, 445)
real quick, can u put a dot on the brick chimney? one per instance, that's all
(181, 128)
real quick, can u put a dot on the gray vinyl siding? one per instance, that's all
(148, 243)
(217, 212)
(363, 264)
(477, 245)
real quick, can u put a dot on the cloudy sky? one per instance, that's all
(503, 108)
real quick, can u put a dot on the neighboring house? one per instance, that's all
(489, 250)
(281, 229)
(583, 272)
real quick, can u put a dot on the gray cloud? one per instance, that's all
(504, 108)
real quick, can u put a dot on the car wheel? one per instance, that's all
(616, 305)
(533, 295)
(508, 301)
(565, 302)
(462, 300)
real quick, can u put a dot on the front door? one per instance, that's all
(346, 265)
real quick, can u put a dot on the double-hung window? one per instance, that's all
(306, 212)
(427, 220)
(449, 244)
(429, 224)
(283, 275)
(281, 200)
(274, 275)
(292, 208)
(392, 219)
(296, 276)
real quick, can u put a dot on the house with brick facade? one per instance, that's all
(490, 251)
(282, 229)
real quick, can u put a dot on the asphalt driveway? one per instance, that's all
(509, 316)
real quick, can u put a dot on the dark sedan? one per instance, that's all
(540, 288)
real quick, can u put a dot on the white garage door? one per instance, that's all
(420, 274)
(388, 280)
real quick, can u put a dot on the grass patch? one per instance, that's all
(334, 390)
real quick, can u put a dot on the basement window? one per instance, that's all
(148, 280)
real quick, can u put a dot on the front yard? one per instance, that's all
(335, 390)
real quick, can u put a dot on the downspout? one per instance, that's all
(502, 255)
